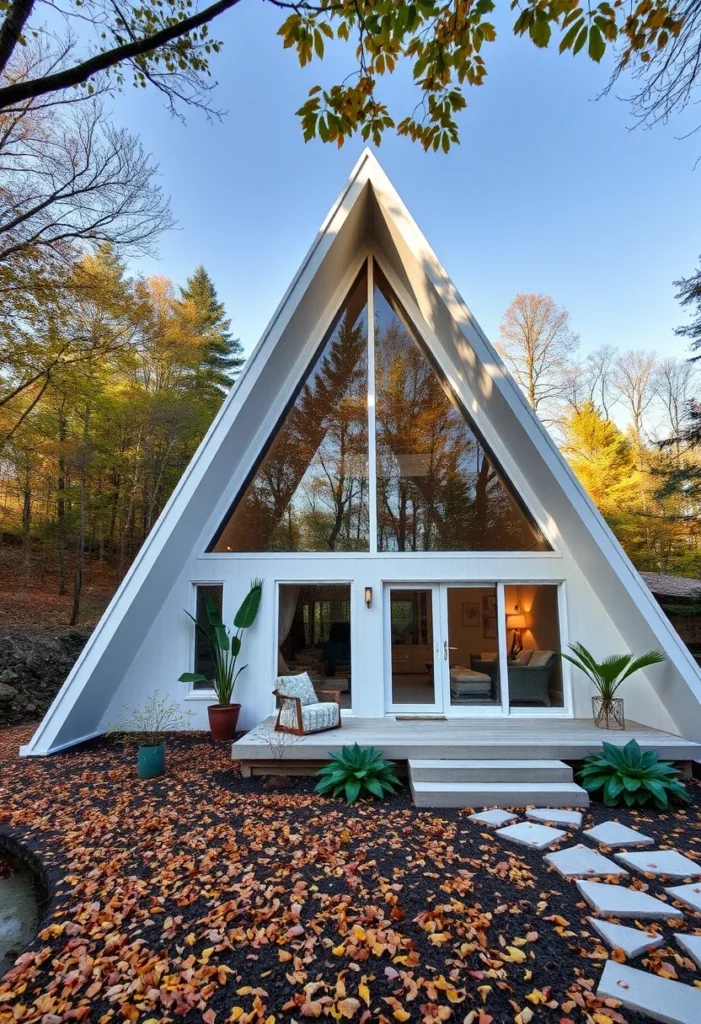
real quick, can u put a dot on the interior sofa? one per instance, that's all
(528, 683)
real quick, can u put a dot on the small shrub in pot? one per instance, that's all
(146, 726)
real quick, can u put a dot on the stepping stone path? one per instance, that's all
(691, 944)
(495, 817)
(632, 941)
(689, 894)
(612, 833)
(556, 815)
(661, 862)
(619, 901)
(526, 833)
(658, 998)
(582, 862)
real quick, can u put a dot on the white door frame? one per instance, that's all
(436, 708)
(473, 710)
(442, 704)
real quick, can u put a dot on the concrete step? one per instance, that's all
(447, 770)
(498, 794)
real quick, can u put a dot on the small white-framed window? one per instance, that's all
(201, 655)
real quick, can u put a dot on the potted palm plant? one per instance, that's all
(607, 676)
(224, 648)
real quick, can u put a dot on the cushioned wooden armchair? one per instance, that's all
(300, 709)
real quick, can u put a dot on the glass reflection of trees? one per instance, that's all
(310, 493)
(437, 490)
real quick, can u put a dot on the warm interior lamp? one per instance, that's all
(516, 622)
(368, 596)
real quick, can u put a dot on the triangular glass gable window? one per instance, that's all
(309, 492)
(437, 488)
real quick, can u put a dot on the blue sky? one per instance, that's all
(550, 190)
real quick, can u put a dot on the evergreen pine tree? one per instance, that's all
(222, 354)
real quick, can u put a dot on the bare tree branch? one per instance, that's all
(87, 69)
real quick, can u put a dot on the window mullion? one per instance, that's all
(372, 453)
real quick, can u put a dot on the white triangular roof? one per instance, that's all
(368, 216)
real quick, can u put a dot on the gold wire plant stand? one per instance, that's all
(608, 714)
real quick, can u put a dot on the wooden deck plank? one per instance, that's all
(568, 739)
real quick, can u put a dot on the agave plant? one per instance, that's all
(629, 776)
(225, 647)
(607, 675)
(357, 770)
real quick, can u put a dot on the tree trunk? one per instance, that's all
(80, 538)
(27, 525)
(61, 501)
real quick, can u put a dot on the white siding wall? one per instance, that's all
(168, 649)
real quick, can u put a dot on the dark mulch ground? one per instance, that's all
(203, 896)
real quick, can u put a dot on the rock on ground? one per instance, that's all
(33, 666)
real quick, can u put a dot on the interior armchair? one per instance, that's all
(302, 709)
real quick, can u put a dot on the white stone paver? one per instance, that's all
(493, 817)
(660, 998)
(612, 833)
(619, 901)
(582, 862)
(632, 941)
(556, 815)
(661, 862)
(528, 833)
(691, 944)
(689, 894)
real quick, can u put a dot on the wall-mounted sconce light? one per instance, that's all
(368, 596)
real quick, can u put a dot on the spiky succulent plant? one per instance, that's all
(628, 776)
(356, 771)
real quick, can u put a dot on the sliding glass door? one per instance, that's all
(413, 669)
(478, 649)
(470, 664)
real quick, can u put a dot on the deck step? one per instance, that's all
(449, 770)
(498, 794)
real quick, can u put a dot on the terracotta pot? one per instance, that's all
(223, 721)
(608, 714)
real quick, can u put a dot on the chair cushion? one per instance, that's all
(540, 658)
(523, 657)
(315, 717)
(297, 686)
(461, 674)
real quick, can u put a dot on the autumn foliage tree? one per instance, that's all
(168, 45)
(91, 463)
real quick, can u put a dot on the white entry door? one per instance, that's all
(413, 669)
(444, 649)
(472, 649)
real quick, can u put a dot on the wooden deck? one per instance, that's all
(564, 739)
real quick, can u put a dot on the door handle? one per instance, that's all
(445, 650)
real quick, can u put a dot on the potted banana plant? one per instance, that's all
(225, 648)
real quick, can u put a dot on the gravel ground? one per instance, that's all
(204, 896)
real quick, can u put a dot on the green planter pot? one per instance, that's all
(151, 761)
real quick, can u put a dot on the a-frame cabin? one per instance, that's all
(413, 522)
